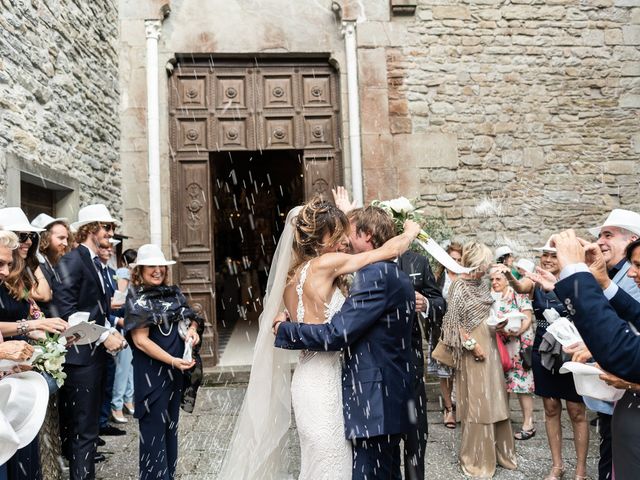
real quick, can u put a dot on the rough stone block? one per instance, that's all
(635, 143)
(409, 182)
(619, 167)
(426, 150)
(400, 124)
(613, 36)
(372, 64)
(374, 109)
(451, 12)
(593, 38)
(631, 34)
(630, 101)
(377, 151)
(533, 157)
(627, 3)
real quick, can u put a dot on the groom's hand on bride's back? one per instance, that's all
(281, 317)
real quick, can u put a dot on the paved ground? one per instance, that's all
(205, 434)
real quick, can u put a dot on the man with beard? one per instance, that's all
(54, 243)
(81, 288)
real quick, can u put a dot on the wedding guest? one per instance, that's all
(553, 386)
(82, 289)
(599, 309)
(54, 243)
(445, 278)
(122, 394)
(519, 377)
(160, 324)
(21, 319)
(504, 256)
(116, 315)
(619, 229)
(487, 437)
(14, 219)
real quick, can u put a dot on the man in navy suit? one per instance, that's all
(599, 309)
(374, 329)
(81, 289)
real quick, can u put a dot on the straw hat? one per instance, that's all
(93, 213)
(622, 219)
(502, 251)
(27, 397)
(151, 255)
(14, 219)
(43, 221)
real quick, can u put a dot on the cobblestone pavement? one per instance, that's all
(205, 434)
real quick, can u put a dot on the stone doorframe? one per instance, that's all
(241, 104)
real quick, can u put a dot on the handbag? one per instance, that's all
(526, 354)
(443, 354)
(505, 359)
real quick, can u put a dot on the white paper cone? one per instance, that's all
(437, 252)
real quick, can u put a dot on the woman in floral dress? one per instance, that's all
(519, 378)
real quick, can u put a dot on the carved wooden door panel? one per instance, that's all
(241, 105)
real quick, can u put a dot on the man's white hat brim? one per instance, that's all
(92, 214)
(43, 221)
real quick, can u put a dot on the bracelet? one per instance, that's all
(469, 344)
(23, 328)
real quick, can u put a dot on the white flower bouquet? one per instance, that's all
(401, 209)
(49, 356)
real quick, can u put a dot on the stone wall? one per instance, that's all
(59, 93)
(510, 119)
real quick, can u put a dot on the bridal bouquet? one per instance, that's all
(49, 356)
(400, 209)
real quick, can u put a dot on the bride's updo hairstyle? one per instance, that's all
(317, 218)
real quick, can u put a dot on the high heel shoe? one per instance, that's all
(449, 418)
(556, 473)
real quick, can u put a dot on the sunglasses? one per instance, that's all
(108, 227)
(24, 236)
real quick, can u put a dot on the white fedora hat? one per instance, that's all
(14, 219)
(546, 247)
(622, 219)
(43, 221)
(26, 405)
(526, 265)
(9, 441)
(502, 251)
(94, 213)
(588, 383)
(151, 255)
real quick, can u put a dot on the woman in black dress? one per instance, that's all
(552, 386)
(160, 324)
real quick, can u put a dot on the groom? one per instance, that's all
(374, 330)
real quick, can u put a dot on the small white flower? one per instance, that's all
(401, 205)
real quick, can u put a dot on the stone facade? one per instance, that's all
(510, 120)
(59, 99)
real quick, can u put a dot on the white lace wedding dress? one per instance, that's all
(316, 396)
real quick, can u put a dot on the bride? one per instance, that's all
(305, 278)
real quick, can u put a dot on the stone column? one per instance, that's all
(152, 31)
(351, 50)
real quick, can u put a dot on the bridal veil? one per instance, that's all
(258, 447)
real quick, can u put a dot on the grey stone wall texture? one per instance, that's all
(540, 103)
(59, 92)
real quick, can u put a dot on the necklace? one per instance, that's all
(165, 334)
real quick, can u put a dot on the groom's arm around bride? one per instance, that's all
(374, 330)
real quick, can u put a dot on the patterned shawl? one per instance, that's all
(468, 306)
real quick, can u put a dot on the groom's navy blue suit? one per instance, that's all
(374, 330)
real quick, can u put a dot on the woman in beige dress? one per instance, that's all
(482, 400)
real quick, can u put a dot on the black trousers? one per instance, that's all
(415, 443)
(110, 376)
(377, 458)
(159, 434)
(625, 429)
(80, 401)
(606, 456)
